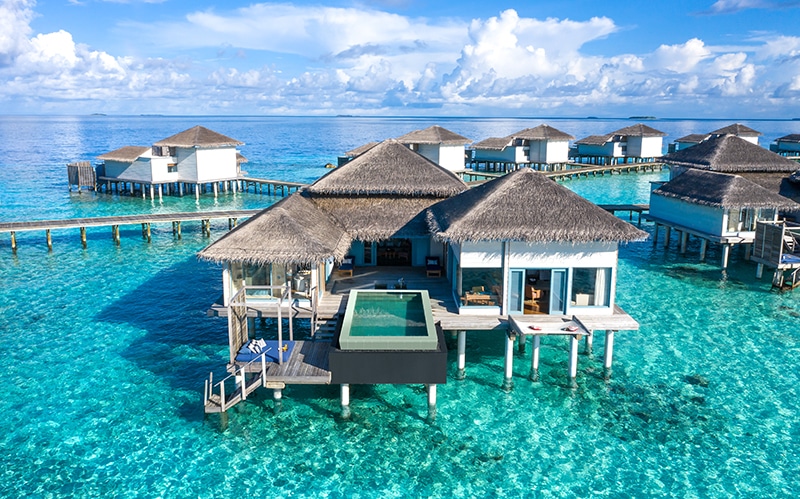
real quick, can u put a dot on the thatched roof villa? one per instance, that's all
(719, 190)
(541, 147)
(638, 142)
(440, 145)
(391, 212)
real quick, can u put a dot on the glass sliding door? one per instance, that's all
(558, 291)
(515, 291)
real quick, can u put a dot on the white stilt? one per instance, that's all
(509, 365)
(655, 235)
(521, 344)
(216, 189)
(160, 193)
(747, 249)
(197, 192)
(462, 354)
(684, 240)
(432, 395)
(537, 340)
(573, 356)
(152, 192)
(277, 394)
(589, 341)
(345, 395)
(703, 248)
(609, 349)
(726, 251)
(667, 233)
(759, 270)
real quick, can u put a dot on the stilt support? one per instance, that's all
(537, 340)
(83, 237)
(462, 355)
(508, 382)
(13, 242)
(49, 240)
(345, 390)
(608, 352)
(703, 248)
(573, 357)
(759, 270)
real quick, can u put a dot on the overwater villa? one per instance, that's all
(391, 231)
(192, 160)
(788, 145)
(633, 143)
(440, 145)
(717, 193)
(541, 148)
(738, 130)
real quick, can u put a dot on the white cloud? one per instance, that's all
(733, 6)
(15, 18)
(680, 58)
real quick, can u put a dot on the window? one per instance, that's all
(481, 287)
(591, 287)
(172, 168)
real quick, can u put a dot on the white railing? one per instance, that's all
(239, 379)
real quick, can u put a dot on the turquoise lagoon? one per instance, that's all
(104, 352)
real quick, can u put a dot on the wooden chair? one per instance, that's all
(432, 266)
(347, 265)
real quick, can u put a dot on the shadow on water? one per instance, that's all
(181, 345)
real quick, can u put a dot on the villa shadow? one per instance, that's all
(180, 344)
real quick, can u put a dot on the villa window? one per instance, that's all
(172, 168)
(481, 287)
(591, 287)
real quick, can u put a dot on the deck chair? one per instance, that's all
(347, 265)
(432, 266)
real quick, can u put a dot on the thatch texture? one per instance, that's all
(730, 154)
(358, 151)
(779, 183)
(127, 154)
(529, 207)
(240, 159)
(694, 138)
(737, 129)
(433, 135)
(377, 218)
(722, 190)
(198, 136)
(294, 230)
(389, 169)
(542, 132)
(492, 143)
(792, 137)
(594, 140)
(639, 130)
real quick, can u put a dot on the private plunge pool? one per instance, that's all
(388, 320)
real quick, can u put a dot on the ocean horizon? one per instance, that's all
(104, 351)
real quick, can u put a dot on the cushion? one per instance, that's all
(432, 261)
(253, 346)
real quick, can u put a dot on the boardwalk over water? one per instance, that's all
(114, 223)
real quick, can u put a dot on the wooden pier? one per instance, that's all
(639, 209)
(114, 222)
(594, 171)
(159, 189)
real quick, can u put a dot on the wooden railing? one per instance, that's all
(241, 387)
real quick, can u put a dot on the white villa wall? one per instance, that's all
(645, 147)
(693, 216)
(481, 255)
(562, 255)
(607, 149)
(537, 152)
(557, 151)
(160, 169)
(187, 164)
(216, 164)
(452, 157)
(430, 151)
(138, 171)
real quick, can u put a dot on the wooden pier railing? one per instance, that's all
(114, 222)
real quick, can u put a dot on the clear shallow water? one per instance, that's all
(104, 352)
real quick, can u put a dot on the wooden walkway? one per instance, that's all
(272, 186)
(594, 171)
(630, 208)
(114, 223)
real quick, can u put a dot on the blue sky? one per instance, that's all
(703, 58)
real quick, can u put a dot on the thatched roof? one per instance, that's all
(792, 137)
(722, 190)
(433, 135)
(198, 136)
(737, 129)
(779, 183)
(358, 151)
(377, 218)
(126, 154)
(293, 230)
(542, 132)
(639, 130)
(594, 140)
(492, 143)
(730, 154)
(240, 159)
(389, 169)
(529, 207)
(694, 138)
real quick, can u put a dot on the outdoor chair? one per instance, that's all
(347, 265)
(432, 266)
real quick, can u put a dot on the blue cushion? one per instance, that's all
(245, 355)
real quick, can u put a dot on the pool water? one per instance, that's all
(388, 314)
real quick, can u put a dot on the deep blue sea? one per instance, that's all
(103, 353)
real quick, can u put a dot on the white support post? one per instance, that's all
(216, 190)
(160, 193)
(152, 192)
(759, 270)
(462, 354)
(537, 340)
(242, 379)
(345, 391)
(432, 395)
(667, 233)
(197, 192)
(609, 349)
(726, 251)
(521, 344)
(509, 362)
(703, 248)
(573, 357)
(589, 341)
(684, 240)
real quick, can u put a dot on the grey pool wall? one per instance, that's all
(418, 337)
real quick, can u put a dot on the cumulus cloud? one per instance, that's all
(390, 64)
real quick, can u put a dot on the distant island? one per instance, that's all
(642, 118)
